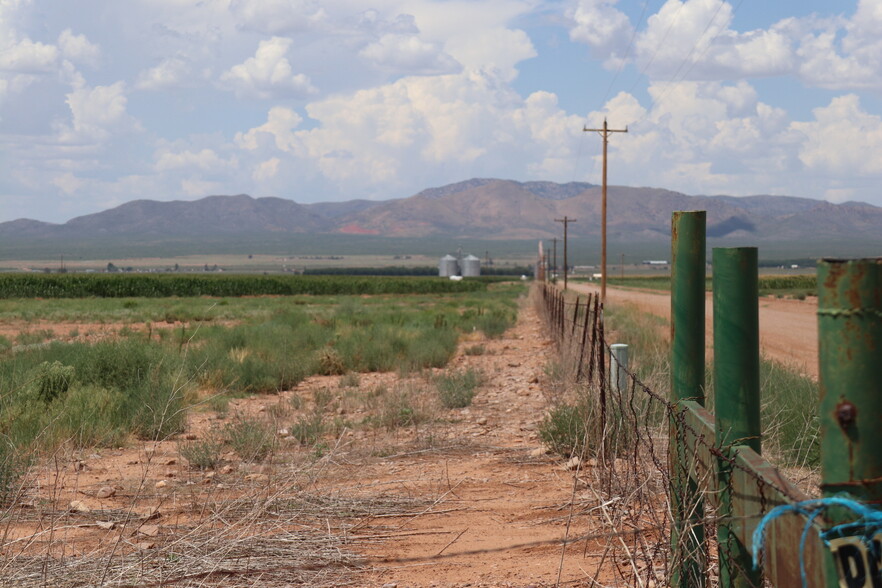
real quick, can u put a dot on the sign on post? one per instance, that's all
(858, 561)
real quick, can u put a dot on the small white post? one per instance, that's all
(618, 364)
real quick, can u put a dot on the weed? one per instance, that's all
(52, 380)
(563, 430)
(12, 467)
(308, 429)
(34, 337)
(494, 323)
(457, 389)
(400, 410)
(202, 454)
(350, 380)
(91, 416)
(219, 403)
(322, 398)
(330, 362)
(250, 438)
(473, 350)
(279, 410)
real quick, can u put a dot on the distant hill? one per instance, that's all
(477, 209)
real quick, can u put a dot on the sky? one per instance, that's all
(107, 101)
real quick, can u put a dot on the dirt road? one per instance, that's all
(788, 327)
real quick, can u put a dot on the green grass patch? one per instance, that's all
(134, 385)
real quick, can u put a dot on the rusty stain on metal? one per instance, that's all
(846, 414)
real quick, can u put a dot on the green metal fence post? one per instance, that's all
(850, 362)
(737, 392)
(688, 276)
(688, 259)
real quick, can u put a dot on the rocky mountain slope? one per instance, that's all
(477, 208)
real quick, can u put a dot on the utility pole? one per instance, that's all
(554, 265)
(623, 266)
(566, 221)
(604, 132)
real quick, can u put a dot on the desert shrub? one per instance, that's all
(13, 465)
(308, 429)
(457, 389)
(156, 411)
(563, 430)
(401, 409)
(250, 438)
(350, 380)
(322, 397)
(494, 323)
(52, 380)
(330, 362)
(91, 416)
(202, 454)
(473, 350)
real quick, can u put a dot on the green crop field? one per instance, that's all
(167, 285)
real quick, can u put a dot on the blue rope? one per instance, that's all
(869, 522)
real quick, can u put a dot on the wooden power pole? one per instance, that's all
(604, 132)
(554, 265)
(566, 221)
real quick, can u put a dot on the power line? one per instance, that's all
(627, 51)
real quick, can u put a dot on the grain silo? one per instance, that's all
(471, 267)
(448, 266)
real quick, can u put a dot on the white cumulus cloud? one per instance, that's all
(97, 112)
(277, 16)
(409, 54)
(268, 74)
(598, 24)
(28, 57)
(205, 160)
(170, 73)
(78, 49)
(843, 139)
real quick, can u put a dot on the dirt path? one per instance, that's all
(496, 496)
(788, 328)
(468, 498)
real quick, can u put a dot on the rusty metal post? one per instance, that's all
(688, 258)
(850, 362)
(737, 393)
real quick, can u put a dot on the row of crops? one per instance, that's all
(167, 285)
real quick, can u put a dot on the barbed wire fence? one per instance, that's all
(647, 467)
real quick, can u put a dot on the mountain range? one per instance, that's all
(476, 208)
